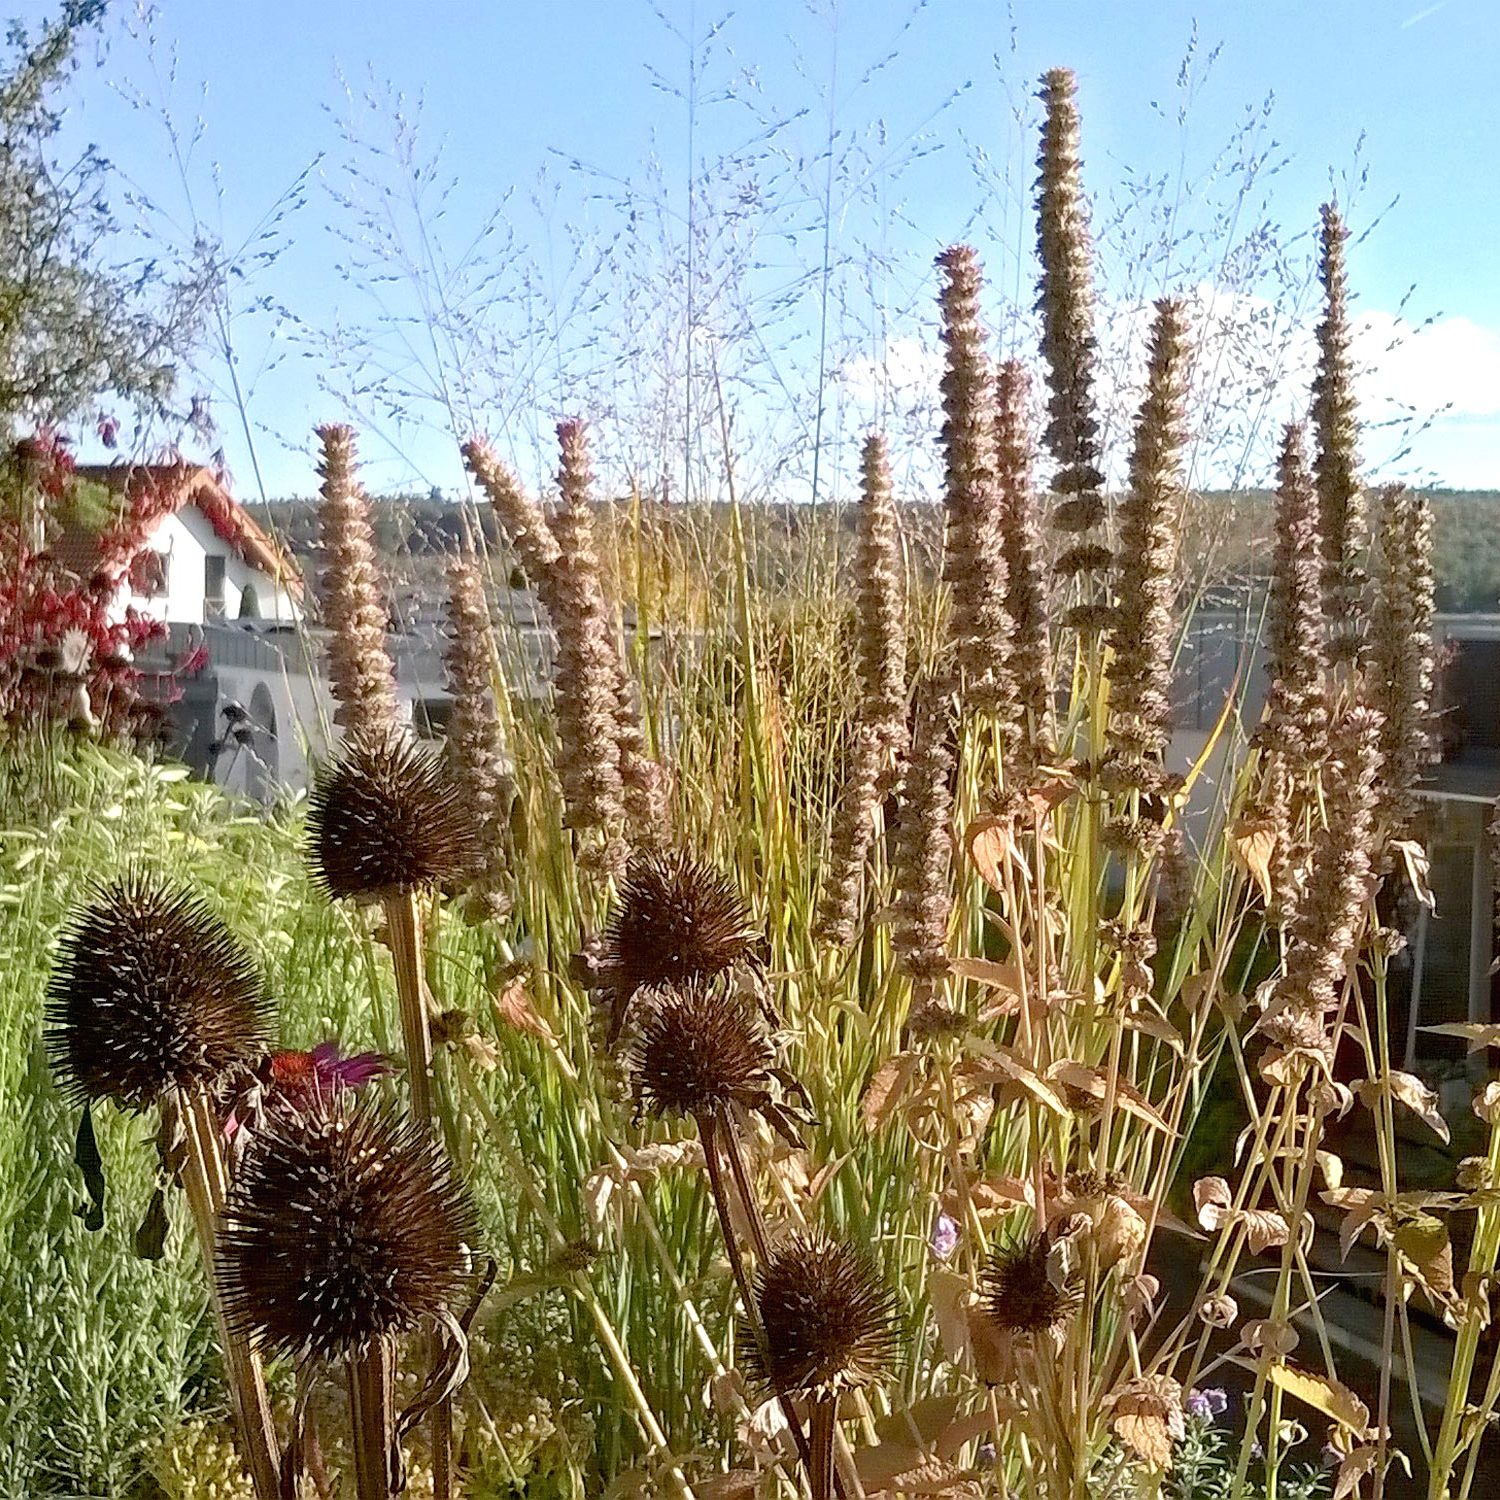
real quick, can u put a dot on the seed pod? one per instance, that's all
(1020, 1292)
(701, 1051)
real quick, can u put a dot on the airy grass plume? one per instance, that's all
(1401, 654)
(678, 920)
(1296, 713)
(475, 749)
(973, 549)
(385, 818)
(587, 676)
(344, 1226)
(151, 992)
(1020, 1294)
(1065, 301)
(702, 1051)
(1142, 636)
(363, 680)
(924, 901)
(1341, 517)
(1025, 584)
(829, 1324)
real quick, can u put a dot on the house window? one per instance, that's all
(213, 588)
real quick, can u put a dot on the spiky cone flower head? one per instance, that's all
(1026, 591)
(1024, 1290)
(151, 992)
(702, 1052)
(1065, 300)
(1341, 518)
(1296, 715)
(385, 819)
(829, 1323)
(1142, 637)
(588, 677)
(1402, 654)
(363, 679)
(677, 921)
(475, 749)
(344, 1227)
(973, 548)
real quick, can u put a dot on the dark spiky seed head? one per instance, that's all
(678, 920)
(828, 1321)
(344, 1225)
(150, 992)
(700, 1051)
(1020, 1296)
(386, 817)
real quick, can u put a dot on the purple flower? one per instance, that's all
(986, 1456)
(1207, 1404)
(352, 1072)
(944, 1239)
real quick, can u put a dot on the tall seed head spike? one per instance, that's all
(829, 1323)
(385, 817)
(678, 920)
(344, 1226)
(701, 1051)
(151, 992)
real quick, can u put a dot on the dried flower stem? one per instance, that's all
(372, 1418)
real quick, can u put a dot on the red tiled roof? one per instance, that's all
(186, 484)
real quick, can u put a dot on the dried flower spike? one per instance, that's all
(702, 1051)
(385, 818)
(924, 900)
(678, 920)
(151, 992)
(829, 1324)
(363, 679)
(344, 1226)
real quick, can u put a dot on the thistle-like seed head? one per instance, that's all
(678, 920)
(1020, 1293)
(829, 1323)
(701, 1050)
(344, 1225)
(385, 816)
(150, 992)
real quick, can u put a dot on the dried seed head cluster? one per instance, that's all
(520, 517)
(829, 1323)
(385, 817)
(344, 1226)
(1020, 1293)
(1341, 519)
(702, 1051)
(924, 901)
(475, 750)
(1025, 584)
(1296, 716)
(882, 606)
(151, 992)
(850, 838)
(1401, 652)
(362, 678)
(1066, 303)
(974, 549)
(1142, 638)
(1332, 909)
(678, 920)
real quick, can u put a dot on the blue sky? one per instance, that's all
(566, 107)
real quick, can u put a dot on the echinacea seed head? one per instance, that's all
(1020, 1292)
(386, 817)
(701, 1050)
(344, 1225)
(151, 992)
(829, 1323)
